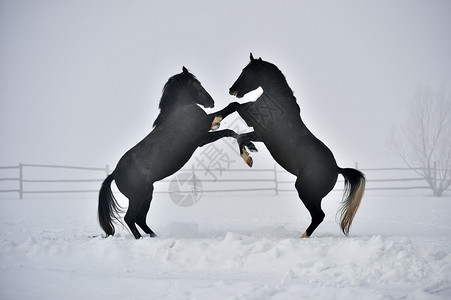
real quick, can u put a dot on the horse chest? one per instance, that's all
(262, 114)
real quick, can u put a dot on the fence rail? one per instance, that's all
(51, 179)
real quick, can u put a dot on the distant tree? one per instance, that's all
(423, 141)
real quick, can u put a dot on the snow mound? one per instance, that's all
(62, 257)
(297, 266)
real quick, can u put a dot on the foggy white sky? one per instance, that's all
(80, 81)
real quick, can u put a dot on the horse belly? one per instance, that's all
(171, 157)
(296, 152)
(157, 158)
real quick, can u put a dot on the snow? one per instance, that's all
(233, 246)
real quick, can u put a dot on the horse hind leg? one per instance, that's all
(313, 205)
(142, 216)
(131, 216)
(137, 212)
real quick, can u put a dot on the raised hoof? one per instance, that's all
(247, 158)
(216, 123)
(250, 162)
(304, 235)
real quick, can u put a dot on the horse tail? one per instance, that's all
(353, 193)
(109, 208)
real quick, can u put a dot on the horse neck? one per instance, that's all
(178, 98)
(280, 91)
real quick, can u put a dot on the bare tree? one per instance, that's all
(423, 141)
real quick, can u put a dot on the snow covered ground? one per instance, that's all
(227, 247)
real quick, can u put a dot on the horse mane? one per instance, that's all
(169, 95)
(279, 83)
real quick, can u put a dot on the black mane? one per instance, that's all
(278, 82)
(169, 95)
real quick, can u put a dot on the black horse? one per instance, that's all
(275, 117)
(179, 129)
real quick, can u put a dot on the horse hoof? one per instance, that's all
(304, 235)
(216, 123)
(250, 162)
(215, 126)
(247, 158)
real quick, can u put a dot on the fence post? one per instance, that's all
(107, 170)
(356, 165)
(276, 185)
(20, 181)
(193, 177)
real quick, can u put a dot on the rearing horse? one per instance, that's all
(180, 128)
(275, 117)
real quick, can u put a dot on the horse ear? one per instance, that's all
(260, 59)
(252, 57)
(184, 70)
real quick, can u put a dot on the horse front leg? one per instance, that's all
(242, 139)
(220, 115)
(245, 141)
(210, 137)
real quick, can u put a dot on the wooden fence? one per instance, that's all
(47, 179)
(31, 174)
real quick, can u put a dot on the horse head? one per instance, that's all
(197, 92)
(249, 78)
(180, 90)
